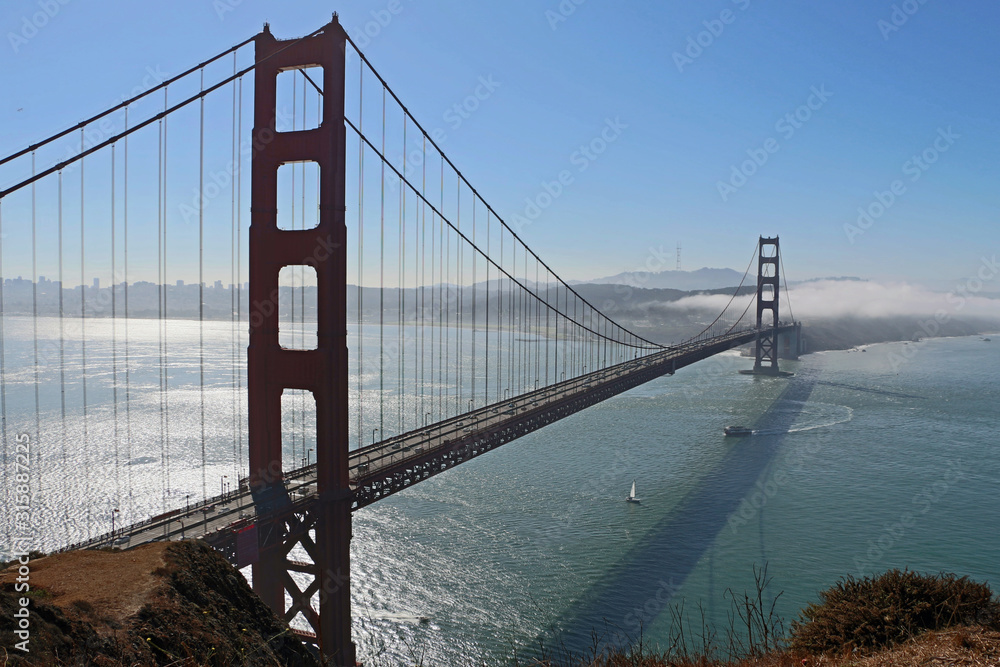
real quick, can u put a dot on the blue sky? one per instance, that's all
(703, 152)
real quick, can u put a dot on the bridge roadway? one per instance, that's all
(386, 467)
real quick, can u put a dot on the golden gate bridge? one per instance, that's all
(393, 325)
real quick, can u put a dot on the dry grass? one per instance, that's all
(112, 584)
(883, 610)
(965, 646)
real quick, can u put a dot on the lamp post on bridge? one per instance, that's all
(374, 431)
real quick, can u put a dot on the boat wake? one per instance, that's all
(399, 617)
(812, 416)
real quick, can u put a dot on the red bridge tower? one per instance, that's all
(323, 527)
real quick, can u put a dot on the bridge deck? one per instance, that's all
(387, 467)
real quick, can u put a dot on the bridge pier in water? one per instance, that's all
(791, 342)
(322, 527)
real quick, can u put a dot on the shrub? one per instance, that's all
(889, 608)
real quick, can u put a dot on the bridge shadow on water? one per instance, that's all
(642, 585)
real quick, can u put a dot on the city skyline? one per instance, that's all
(861, 134)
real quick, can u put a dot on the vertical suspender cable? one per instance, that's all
(447, 291)
(475, 294)
(501, 336)
(114, 331)
(83, 335)
(159, 299)
(401, 297)
(576, 338)
(201, 285)
(460, 283)
(486, 324)
(159, 308)
(538, 356)
(233, 279)
(440, 304)
(381, 289)
(62, 350)
(128, 369)
(517, 332)
(435, 314)
(34, 312)
(548, 308)
(555, 346)
(421, 355)
(166, 292)
(510, 317)
(239, 278)
(528, 349)
(431, 312)
(361, 248)
(295, 126)
(302, 268)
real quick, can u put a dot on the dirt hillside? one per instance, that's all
(166, 603)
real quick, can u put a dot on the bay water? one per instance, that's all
(859, 462)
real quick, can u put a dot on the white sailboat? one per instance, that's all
(631, 495)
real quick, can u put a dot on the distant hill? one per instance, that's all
(702, 279)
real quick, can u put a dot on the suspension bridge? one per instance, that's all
(393, 325)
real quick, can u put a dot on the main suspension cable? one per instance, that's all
(125, 104)
(512, 278)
